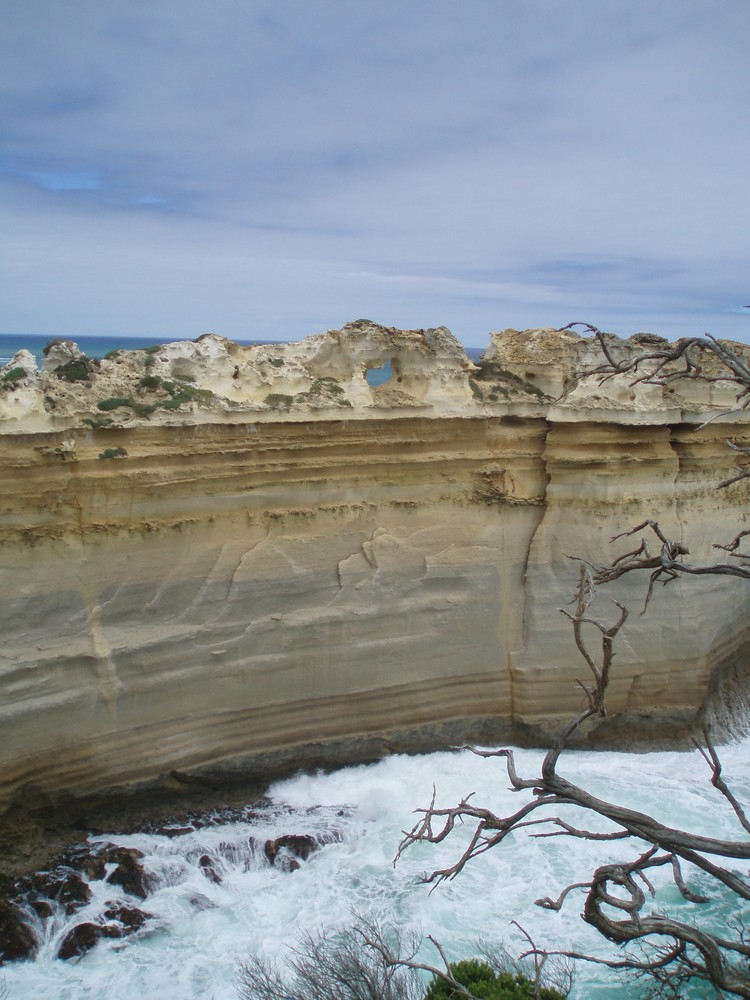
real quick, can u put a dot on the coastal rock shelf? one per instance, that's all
(201, 582)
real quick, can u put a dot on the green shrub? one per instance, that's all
(111, 355)
(112, 403)
(96, 422)
(150, 352)
(150, 382)
(13, 374)
(187, 394)
(276, 362)
(490, 371)
(142, 409)
(113, 453)
(279, 400)
(76, 370)
(487, 984)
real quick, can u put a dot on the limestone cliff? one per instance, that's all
(254, 555)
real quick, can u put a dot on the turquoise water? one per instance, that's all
(199, 929)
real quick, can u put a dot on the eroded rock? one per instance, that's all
(16, 937)
(288, 850)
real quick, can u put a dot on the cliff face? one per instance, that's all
(209, 586)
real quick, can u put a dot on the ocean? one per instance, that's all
(200, 929)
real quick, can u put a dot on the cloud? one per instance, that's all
(278, 168)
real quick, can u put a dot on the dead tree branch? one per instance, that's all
(617, 897)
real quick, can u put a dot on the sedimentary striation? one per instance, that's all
(217, 558)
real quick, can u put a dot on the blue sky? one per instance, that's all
(273, 169)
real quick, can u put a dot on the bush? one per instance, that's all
(276, 362)
(485, 983)
(96, 422)
(278, 400)
(113, 453)
(185, 394)
(490, 371)
(13, 374)
(77, 370)
(112, 403)
(150, 382)
(142, 409)
(327, 968)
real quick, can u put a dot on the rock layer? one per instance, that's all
(249, 580)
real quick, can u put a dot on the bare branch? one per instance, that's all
(712, 759)
(617, 896)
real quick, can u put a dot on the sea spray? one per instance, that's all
(199, 927)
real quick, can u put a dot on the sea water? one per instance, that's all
(200, 930)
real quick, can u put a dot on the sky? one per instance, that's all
(269, 170)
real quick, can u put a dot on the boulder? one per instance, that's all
(292, 848)
(16, 937)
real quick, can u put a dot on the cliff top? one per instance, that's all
(538, 372)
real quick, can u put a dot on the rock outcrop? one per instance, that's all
(216, 558)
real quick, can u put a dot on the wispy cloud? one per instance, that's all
(271, 169)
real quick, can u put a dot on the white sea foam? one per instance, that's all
(200, 929)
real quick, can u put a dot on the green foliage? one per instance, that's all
(113, 453)
(490, 371)
(14, 374)
(484, 983)
(150, 382)
(111, 355)
(142, 409)
(276, 362)
(178, 395)
(325, 388)
(150, 352)
(185, 394)
(279, 400)
(76, 370)
(96, 422)
(112, 403)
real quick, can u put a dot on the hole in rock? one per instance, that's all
(379, 376)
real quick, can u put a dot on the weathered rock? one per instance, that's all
(121, 921)
(324, 582)
(129, 873)
(83, 937)
(291, 846)
(64, 886)
(16, 938)
(209, 870)
(129, 917)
